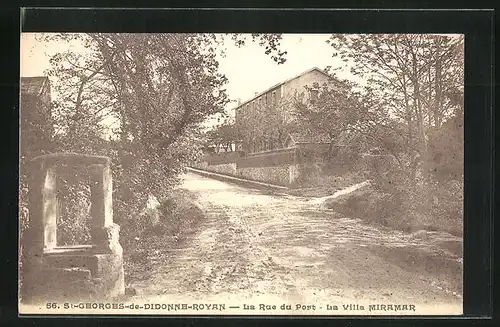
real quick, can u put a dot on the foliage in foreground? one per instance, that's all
(411, 111)
(139, 99)
(149, 241)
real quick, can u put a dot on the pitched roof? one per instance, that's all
(33, 85)
(281, 83)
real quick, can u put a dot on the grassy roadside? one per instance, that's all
(389, 210)
(378, 208)
(325, 185)
(178, 217)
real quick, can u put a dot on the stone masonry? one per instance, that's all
(50, 272)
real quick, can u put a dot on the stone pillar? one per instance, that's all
(104, 232)
(295, 169)
(50, 209)
(294, 174)
(42, 226)
(101, 196)
(50, 269)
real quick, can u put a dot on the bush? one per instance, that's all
(73, 220)
(367, 203)
(178, 217)
(178, 214)
(394, 202)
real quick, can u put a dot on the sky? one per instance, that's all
(248, 69)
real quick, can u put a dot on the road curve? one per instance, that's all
(255, 248)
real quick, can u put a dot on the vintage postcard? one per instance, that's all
(241, 174)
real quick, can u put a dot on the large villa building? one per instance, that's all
(278, 96)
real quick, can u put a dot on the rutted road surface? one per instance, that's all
(256, 248)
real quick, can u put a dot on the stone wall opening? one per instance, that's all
(53, 267)
(73, 205)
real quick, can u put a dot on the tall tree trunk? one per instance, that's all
(417, 105)
(438, 86)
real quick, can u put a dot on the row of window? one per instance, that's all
(264, 100)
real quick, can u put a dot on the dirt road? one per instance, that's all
(255, 248)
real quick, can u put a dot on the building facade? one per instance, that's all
(261, 121)
(36, 126)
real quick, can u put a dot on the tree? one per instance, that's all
(263, 126)
(140, 98)
(224, 135)
(270, 41)
(330, 109)
(415, 81)
(156, 87)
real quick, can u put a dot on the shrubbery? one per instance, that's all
(396, 201)
(149, 238)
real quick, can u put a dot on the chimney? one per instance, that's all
(239, 102)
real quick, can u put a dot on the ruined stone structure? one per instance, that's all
(52, 272)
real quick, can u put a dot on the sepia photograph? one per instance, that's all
(241, 174)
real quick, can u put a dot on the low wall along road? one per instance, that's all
(285, 167)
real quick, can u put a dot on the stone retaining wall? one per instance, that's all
(279, 175)
(286, 167)
(227, 168)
